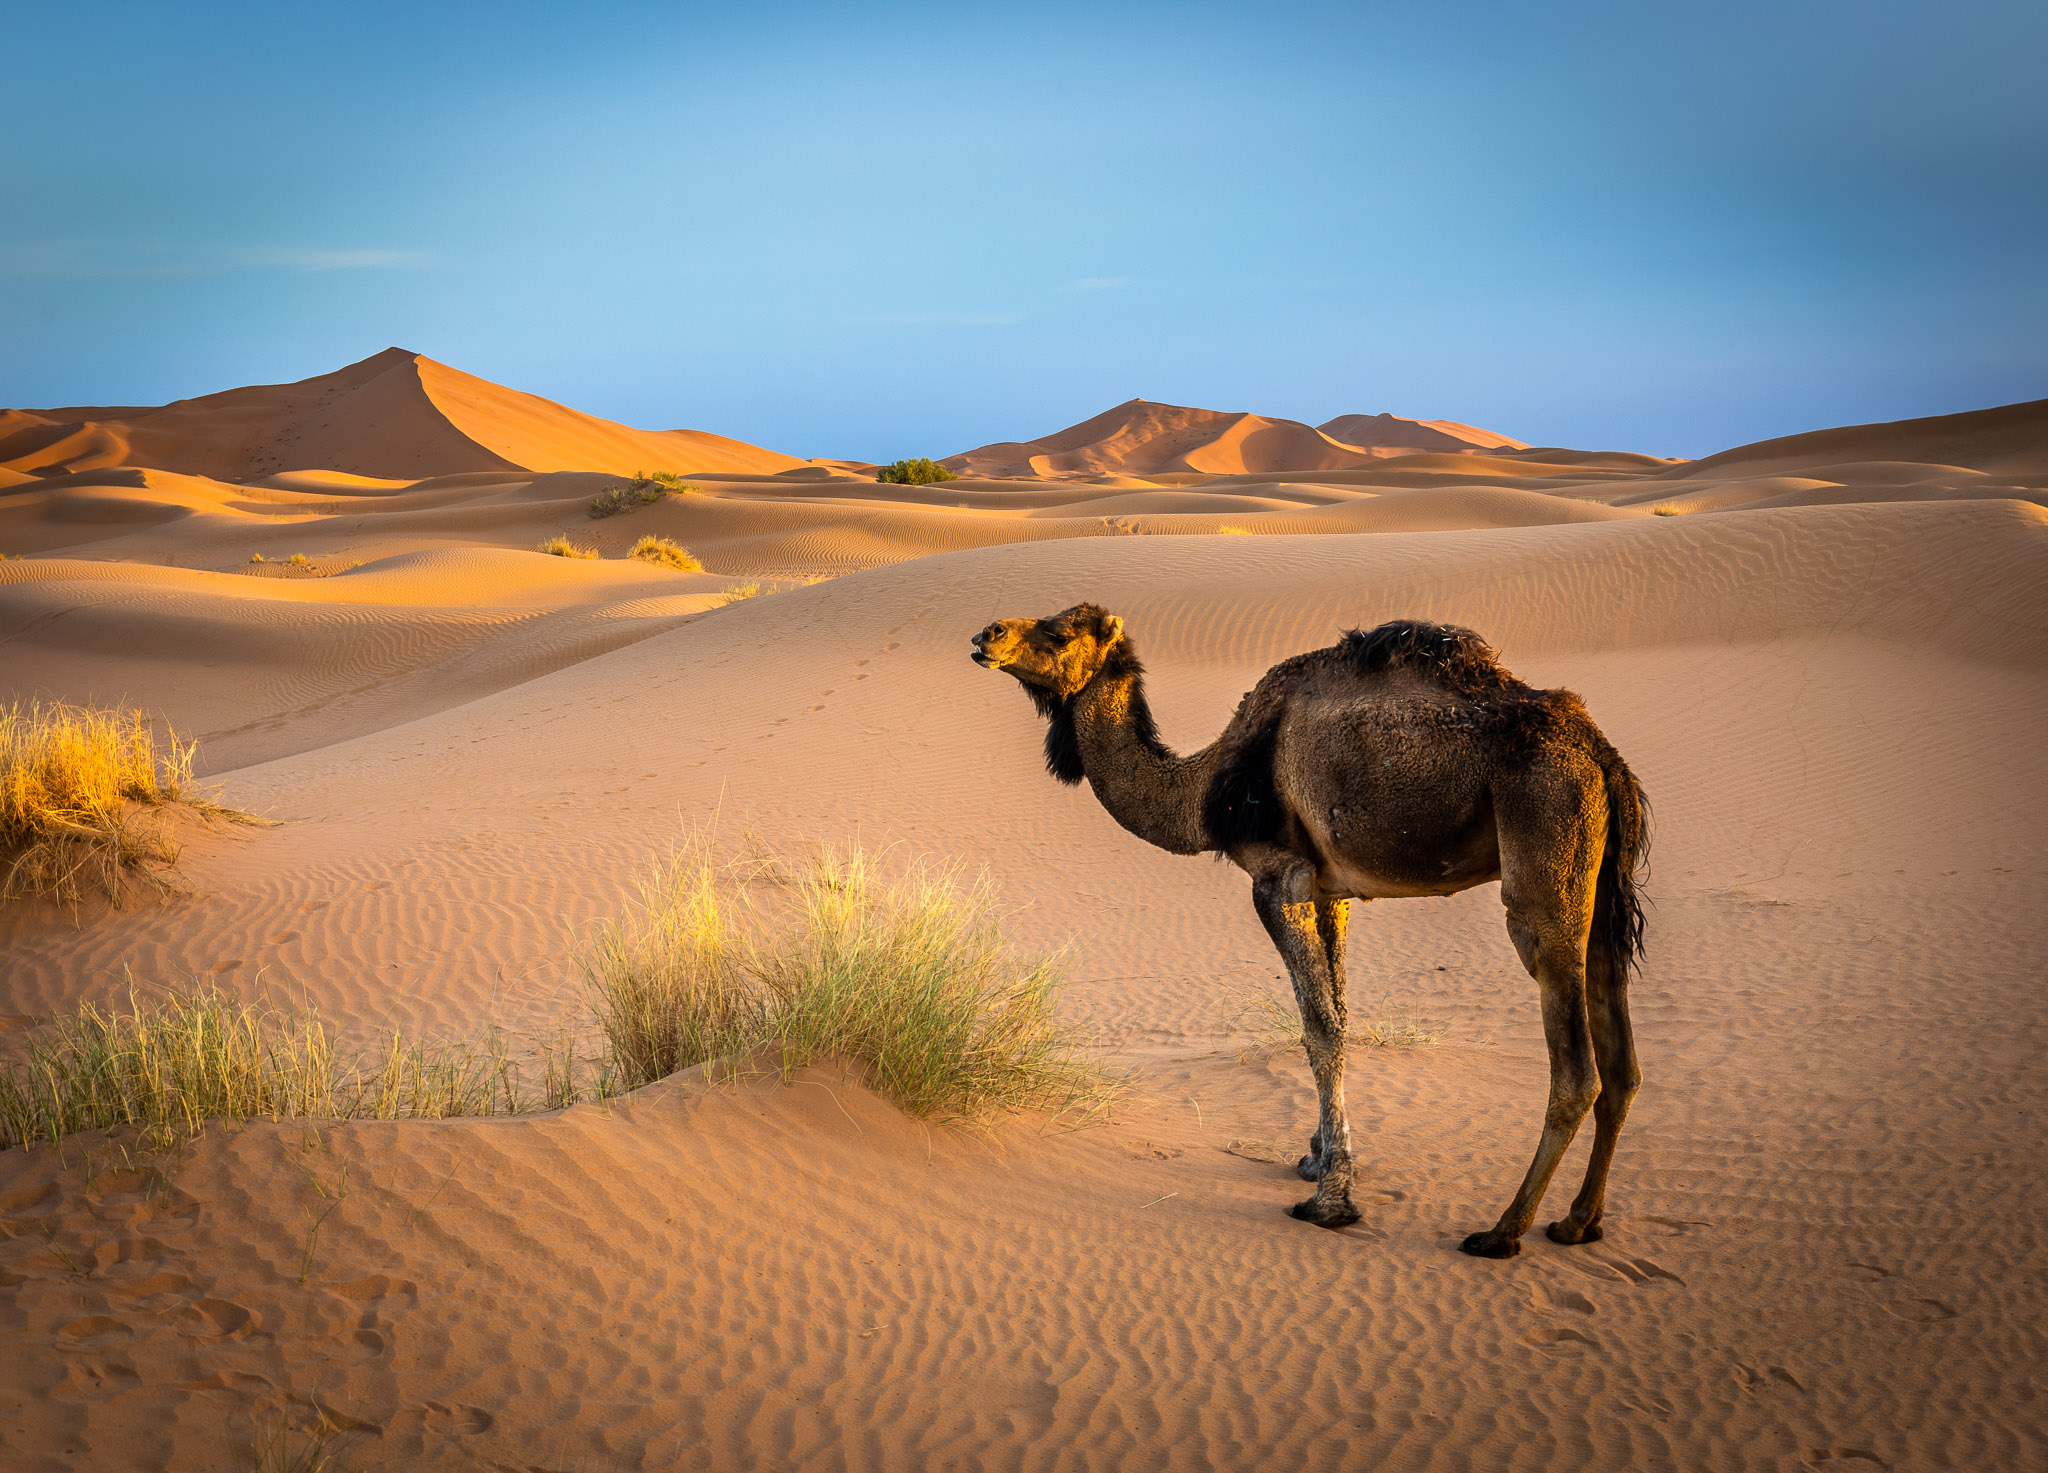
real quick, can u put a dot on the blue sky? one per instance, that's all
(882, 230)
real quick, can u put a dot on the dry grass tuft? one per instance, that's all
(671, 984)
(167, 1065)
(82, 792)
(255, 557)
(911, 978)
(298, 560)
(664, 553)
(560, 546)
(644, 489)
(738, 593)
(1665, 511)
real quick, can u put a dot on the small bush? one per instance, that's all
(559, 546)
(72, 779)
(643, 490)
(739, 592)
(670, 984)
(1665, 511)
(922, 471)
(298, 560)
(255, 557)
(664, 553)
(912, 979)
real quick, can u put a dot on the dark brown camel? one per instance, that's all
(1400, 761)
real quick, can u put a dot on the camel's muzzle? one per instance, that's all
(981, 656)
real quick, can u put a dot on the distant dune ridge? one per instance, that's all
(1141, 438)
(395, 415)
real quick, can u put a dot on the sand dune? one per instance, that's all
(395, 414)
(1830, 677)
(2010, 441)
(1405, 436)
(1141, 438)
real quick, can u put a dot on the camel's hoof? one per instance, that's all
(1491, 1244)
(1324, 1214)
(1310, 1168)
(1562, 1231)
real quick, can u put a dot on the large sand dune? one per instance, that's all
(395, 414)
(1830, 676)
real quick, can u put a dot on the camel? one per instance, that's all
(1401, 761)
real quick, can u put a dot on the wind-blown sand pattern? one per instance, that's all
(1826, 658)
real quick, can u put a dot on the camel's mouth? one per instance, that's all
(986, 660)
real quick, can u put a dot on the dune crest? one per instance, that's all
(395, 415)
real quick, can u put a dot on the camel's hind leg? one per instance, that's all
(1614, 1049)
(1284, 893)
(1547, 878)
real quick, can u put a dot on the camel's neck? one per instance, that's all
(1148, 789)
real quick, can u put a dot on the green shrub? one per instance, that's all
(919, 472)
(643, 490)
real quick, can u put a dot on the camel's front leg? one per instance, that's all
(1333, 919)
(1285, 896)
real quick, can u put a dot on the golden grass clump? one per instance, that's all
(664, 553)
(738, 593)
(167, 1065)
(81, 797)
(560, 546)
(911, 978)
(1666, 511)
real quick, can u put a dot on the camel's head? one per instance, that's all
(1054, 657)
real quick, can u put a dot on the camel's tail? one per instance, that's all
(1626, 863)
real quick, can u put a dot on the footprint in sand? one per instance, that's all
(94, 1332)
(1676, 1226)
(1546, 1296)
(1819, 1457)
(279, 938)
(463, 1421)
(1868, 1273)
(377, 1286)
(1555, 1337)
(1758, 1379)
(1920, 1311)
(214, 1320)
(314, 905)
(1637, 1270)
(221, 968)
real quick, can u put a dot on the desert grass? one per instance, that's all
(672, 983)
(644, 489)
(255, 557)
(82, 795)
(560, 546)
(1666, 511)
(665, 554)
(911, 978)
(1271, 1024)
(167, 1064)
(737, 593)
(921, 471)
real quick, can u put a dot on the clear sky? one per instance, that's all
(877, 230)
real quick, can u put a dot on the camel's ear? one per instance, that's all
(1112, 628)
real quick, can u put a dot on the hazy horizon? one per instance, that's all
(918, 229)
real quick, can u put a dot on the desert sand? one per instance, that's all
(1826, 658)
